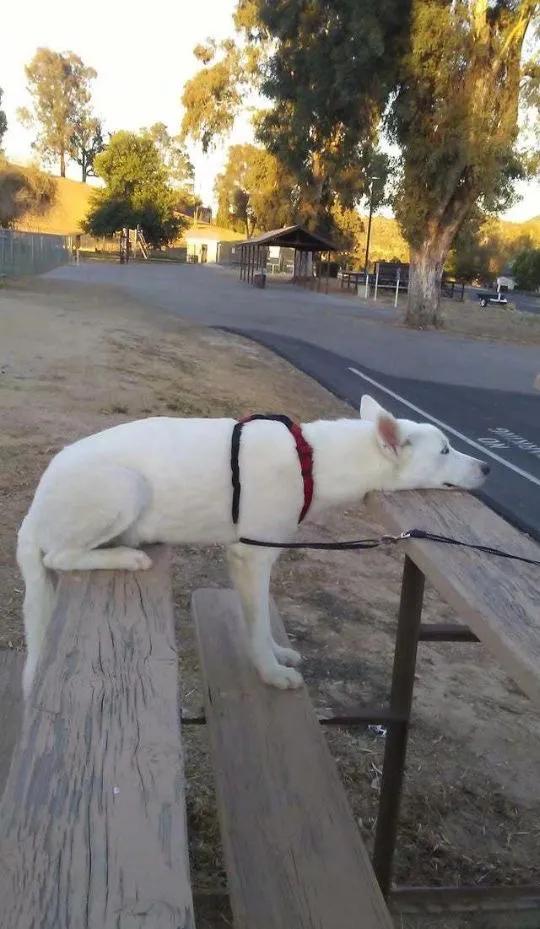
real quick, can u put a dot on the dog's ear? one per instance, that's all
(370, 409)
(388, 434)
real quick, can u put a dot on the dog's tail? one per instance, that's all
(39, 597)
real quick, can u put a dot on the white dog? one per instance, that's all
(169, 480)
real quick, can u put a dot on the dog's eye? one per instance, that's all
(445, 450)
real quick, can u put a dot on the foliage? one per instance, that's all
(255, 192)
(211, 99)
(86, 142)
(22, 191)
(180, 170)
(137, 190)
(3, 120)
(485, 246)
(328, 71)
(310, 61)
(59, 83)
(526, 269)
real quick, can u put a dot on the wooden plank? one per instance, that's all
(11, 701)
(295, 858)
(92, 821)
(497, 598)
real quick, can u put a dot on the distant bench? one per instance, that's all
(92, 820)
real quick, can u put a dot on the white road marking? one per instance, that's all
(447, 428)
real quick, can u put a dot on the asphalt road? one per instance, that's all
(480, 392)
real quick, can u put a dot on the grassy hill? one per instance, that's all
(502, 241)
(67, 212)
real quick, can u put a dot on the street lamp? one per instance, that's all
(369, 222)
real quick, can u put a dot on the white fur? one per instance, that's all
(169, 480)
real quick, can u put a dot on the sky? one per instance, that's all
(143, 55)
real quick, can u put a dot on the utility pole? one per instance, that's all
(369, 223)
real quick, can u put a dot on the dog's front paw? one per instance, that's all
(281, 677)
(287, 656)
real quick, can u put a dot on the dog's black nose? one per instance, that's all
(485, 468)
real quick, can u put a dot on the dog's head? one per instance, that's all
(421, 453)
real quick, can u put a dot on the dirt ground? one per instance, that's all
(76, 359)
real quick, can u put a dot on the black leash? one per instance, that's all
(359, 544)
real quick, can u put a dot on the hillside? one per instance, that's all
(500, 241)
(66, 214)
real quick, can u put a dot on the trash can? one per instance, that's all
(259, 279)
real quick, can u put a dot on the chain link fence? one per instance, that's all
(32, 252)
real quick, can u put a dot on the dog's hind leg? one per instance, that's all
(81, 513)
(250, 570)
(72, 514)
(119, 558)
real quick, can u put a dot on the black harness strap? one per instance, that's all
(235, 452)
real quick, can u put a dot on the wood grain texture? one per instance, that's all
(499, 599)
(294, 855)
(11, 706)
(92, 821)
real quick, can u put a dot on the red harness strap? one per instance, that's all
(303, 449)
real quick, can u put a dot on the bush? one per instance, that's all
(526, 269)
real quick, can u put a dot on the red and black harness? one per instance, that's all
(305, 457)
(303, 449)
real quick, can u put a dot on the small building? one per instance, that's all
(207, 243)
(506, 280)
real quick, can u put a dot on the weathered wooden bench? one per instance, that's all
(92, 820)
(294, 855)
(498, 600)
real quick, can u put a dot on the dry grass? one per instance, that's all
(71, 205)
(492, 323)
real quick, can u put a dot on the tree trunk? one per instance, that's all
(62, 164)
(84, 170)
(425, 275)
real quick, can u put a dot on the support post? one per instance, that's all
(397, 288)
(376, 282)
(366, 292)
(408, 629)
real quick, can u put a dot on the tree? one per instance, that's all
(211, 99)
(526, 269)
(59, 83)
(86, 142)
(23, 191)
(137, 191)
(444, 78)
(180, 170)
(3, 120)
(455, 118)
(255, 191)
(323, 66)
